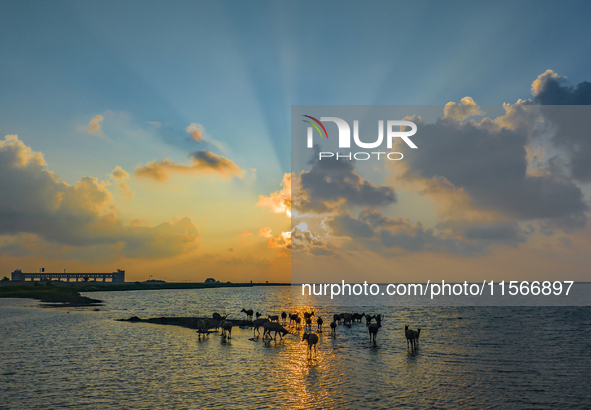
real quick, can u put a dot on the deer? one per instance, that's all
(416, 336)
(283, 316)
(373, 328)
(293, 317)
(203, 326)
(357, 317)
(218, 319)
(227, 329)
(274, 318)
(258, 315)
(269, 327)
(333, 328)
(411, 336)
(248, 312)
(319, 321)
(312, 339)
(347, 318)
(308, 315)
(257, 324)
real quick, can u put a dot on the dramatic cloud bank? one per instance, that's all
(35, 201)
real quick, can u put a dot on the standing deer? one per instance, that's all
(248, 312)
(373, 328)
(257, 324)
(411, 337)
(312, 339)
(218, 319)
(227, 329)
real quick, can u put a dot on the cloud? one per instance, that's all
(552, 89)
(572, 123)
(121, 176)
(195, 130)
(94, 126)
(346, 225)
(283, 240)
(488, 164)
(246, 233)
(278, 202)
(302, 239)
(331, 183)
(250, 260)
(35, 201)
(266, 232)
(462, 110)
(379, 233)
(203, 163)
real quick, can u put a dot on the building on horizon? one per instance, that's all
(116, 277)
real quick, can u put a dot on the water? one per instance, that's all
(469, 357)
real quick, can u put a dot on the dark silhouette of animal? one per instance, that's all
(411, 337)
(203, 325)
(319, 321)
(217, 316)
(227, 329)
(292, 318)
(357, 317)
(274, 327)
(258, 315)
(416, 336)
(347, 318)
(283, 316)
(337, 318)
(217, 320)
(368, 319)
(312, 339)
(274, 318)
(248, 312)
(308, 315)
(333, 328)
(257, 324)
(298, 320)
(308, 323)
(373, 329)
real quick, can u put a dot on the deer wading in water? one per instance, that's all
(312, 340)
(373, 328)
(248, 312)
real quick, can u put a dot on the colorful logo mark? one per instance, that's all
(316, 126)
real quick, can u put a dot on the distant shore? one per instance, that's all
(67, 294)
(55, 296)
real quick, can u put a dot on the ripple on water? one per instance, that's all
(493, 357)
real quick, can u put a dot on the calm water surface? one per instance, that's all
(484, 357)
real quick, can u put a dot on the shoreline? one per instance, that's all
(54, 295)
(182, 321)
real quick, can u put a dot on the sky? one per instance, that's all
(154, 136)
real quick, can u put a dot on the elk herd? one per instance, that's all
(272, 327)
